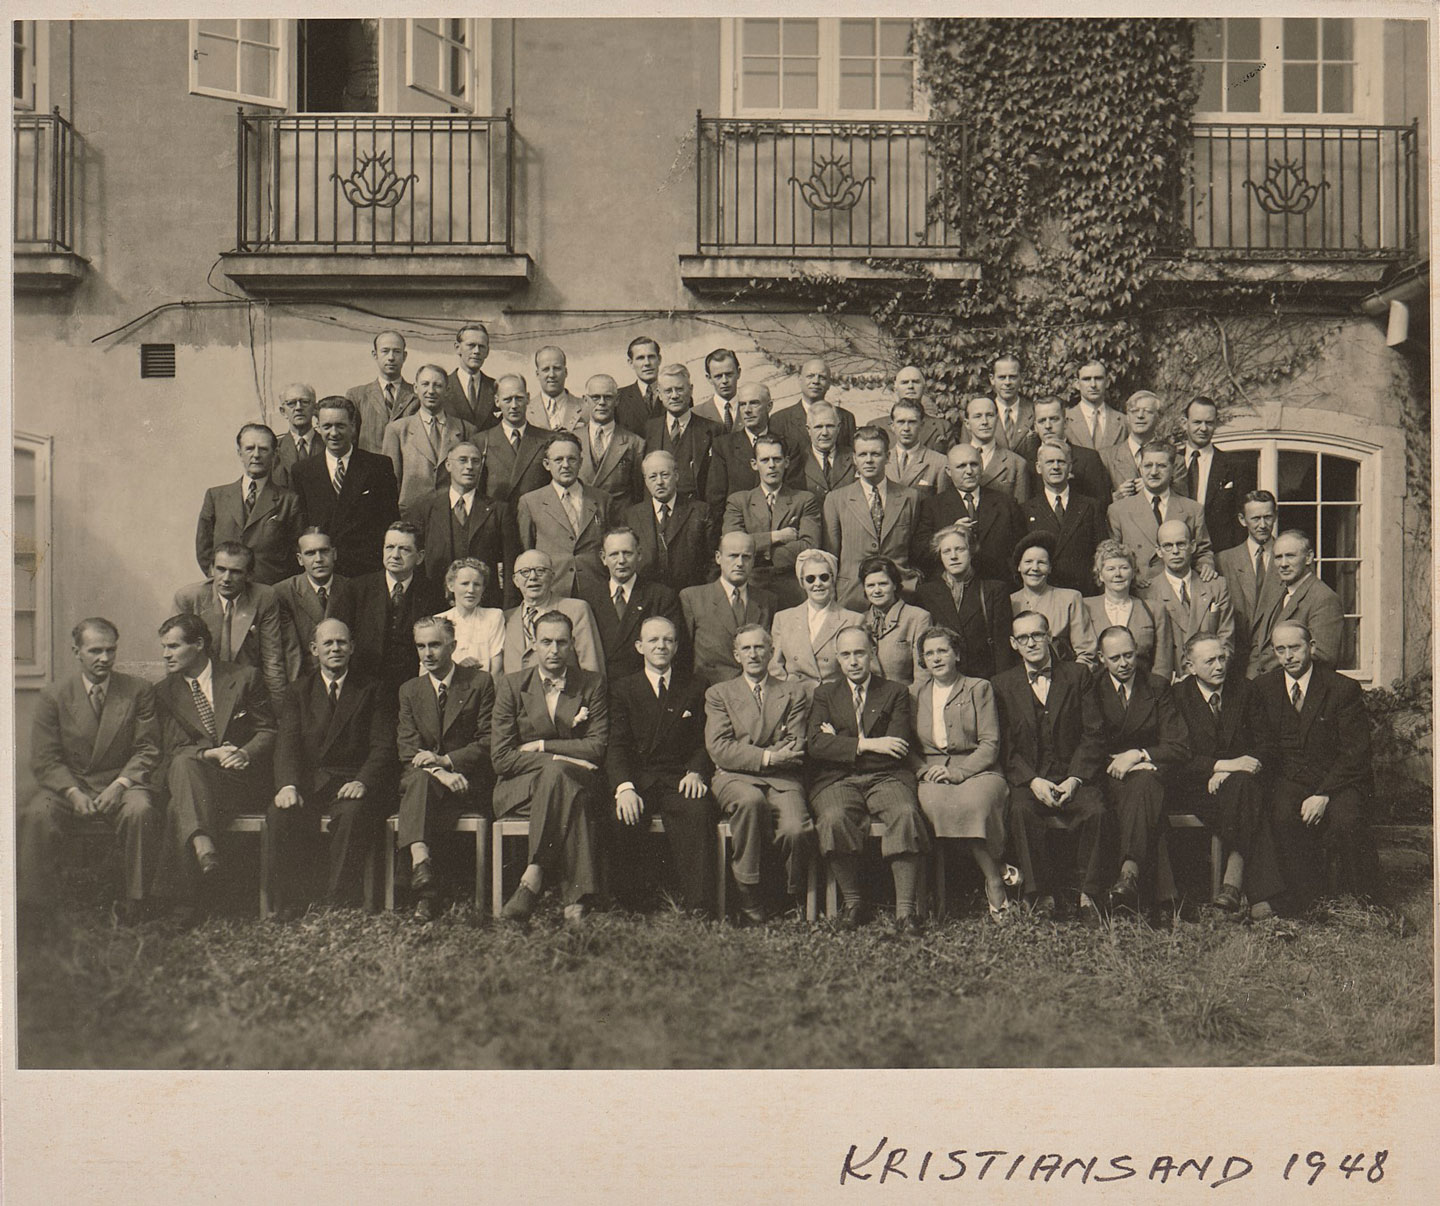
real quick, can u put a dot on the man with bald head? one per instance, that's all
(301, 440)
(469, 393)
(676, 535)
(793, 422)
(389, 396)
(512, 453)
(534, 578)
(998, 524)
(418, 444)
(731, 454)
(1305, 600)
(335, 756)
(715, 612)
(555, 408)
(934, 433)
(610, 455)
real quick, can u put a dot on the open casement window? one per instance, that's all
(249, 61)
(1288, 69)
(31, 619)
(819, 67)
(440, 60)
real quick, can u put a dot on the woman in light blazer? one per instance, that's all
(1115, 571)
(961, 791)
(810, 660)
(895, 625)
(1072, 636)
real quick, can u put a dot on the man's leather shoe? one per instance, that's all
(909, 927)
(1227, 900)
(1126, 890)
(421, 876)
(854, 916)
(749, 918)
(425, 909)
(519, 906)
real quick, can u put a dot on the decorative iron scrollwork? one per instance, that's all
(373, 183)
(831, 185)
(1286, 189)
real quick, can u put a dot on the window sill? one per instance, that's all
(294, 274)
(48, 271)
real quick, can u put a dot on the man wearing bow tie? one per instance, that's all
(657, 766)
(389, 397)
(549, 737)
(256, 510)
(443, 741)
(94, 754)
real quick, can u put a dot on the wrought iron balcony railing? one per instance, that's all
(46, 150)
(1303, 191)
(828, 188)
(380, 184)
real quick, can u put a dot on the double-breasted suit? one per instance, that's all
(355, 519)
(318, 749)
(488, 534)
(1253, 607)
(269, 530)
(252, 635)
(420, 464)
(72, 747)
(384, 629)
(850, 534)
(508, 473)
(461, 733)
(710, 625)
(619, 631)
(573, 546)
(561, 797)
(377, 411)
(797, 655)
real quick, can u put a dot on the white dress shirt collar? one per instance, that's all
(456, 495)
(206, 679)
(1303, 681)
(331, 460)
(391, 582)
(628, 588)
(338, 683)
(655, 678)
(437, 683)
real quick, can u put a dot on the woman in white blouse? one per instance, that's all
(804, 636)
(1117, 607)
(1072, 634)
(479, 631)
(961, 790)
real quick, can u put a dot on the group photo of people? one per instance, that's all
(742, 661)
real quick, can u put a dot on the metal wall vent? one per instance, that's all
(157, 360)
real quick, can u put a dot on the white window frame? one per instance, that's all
(477, 54)
(37, 673)
(1379, 638)
(1368, 81)
(28, 97)
(284, 48)
(731, 39)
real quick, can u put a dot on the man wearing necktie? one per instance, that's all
(469, 393)
(1221, 781)
(1017, 417)
(1318, 748)
(218, 734)
(1216, 479)
(1135, 520)
(297, 406)
(637, 404)
(859, 737)
(1249, 571)
(680, 432)
(912, 462)
(993, 516)
(715, 612)
(94, 751)
(556, 408)
(419, 444)
(1193, 605)
(1142, 740)
(612, 454)
(722, 370)
(256, 510)
(389, 396)
(871, 517)
(783, 522)
(314, 594)
(1301, 598)
(549, 736)
(1092, 422)
(623, 603)
(335, 756)
(565, 520)
(388, 604)
(534, 580)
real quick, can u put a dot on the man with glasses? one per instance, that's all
(677, 545)
(534, 579)
(610, 455)
(732, 456)
(678, 431)
(1194, 605)
(301, 440)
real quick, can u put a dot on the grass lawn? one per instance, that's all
(347, 990)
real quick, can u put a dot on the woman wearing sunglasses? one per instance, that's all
(1073, 636)
(894, 624)
(805, 636)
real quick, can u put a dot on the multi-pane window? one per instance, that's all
(31, 550)
(1279, 68)
(824, 66)
(23, 58)
(242, 60)
(440, 59)
(1227, 56)
(1319, 64)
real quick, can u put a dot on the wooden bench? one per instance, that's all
(722, 876)
(466, 822)
(513, 827)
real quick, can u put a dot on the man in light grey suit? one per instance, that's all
(871, 517)
(1017, 417)
(913, 463)
(1249, 571)
(555, 408)
(418, 444)
(1135, 521)
(1122, 460)
(534, 578)
(566, 519)
(1194, 606)
(389, 396)
(1304, 600)
(610, 455)
(297, 404)
(755, 735)
(1000, 468)
(783, 522)
(1092, 422)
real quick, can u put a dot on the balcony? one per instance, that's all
(364, 203)
(46, 154)
(776, 199)
(1328, 202)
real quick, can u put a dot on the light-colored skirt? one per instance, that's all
(973, 809)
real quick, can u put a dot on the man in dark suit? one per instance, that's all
(1220, 782)
(722, 370)
(610, 455)
(297, 404)
(469, 393)
(459, 521)
(792, 424)
(679, 432)
(935, 433)
(388, 604)
(977, 608)
(1249, 571)
(677, 540)
(1087, 470)
(732, 455)
(657, 767)
(993, 515)
(637, 404)
(1049, 732)
(335, 754)
(1303, 599)
(1142, 740)
(316, 593)
(713, 613)
(1320, 736)
(254, 510)
(1215, 479)
(94, 752)
(783, 522)
(1015, 417)
(512, 453)
(820, 465)
(857, 745)
(347, 492)
(218, 734)
(621, 604)
(245, 621)
(442, 738)
(389, 397)
(549, 737)
(1092, 422)
(1076, 520)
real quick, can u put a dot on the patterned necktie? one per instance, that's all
(1215, 706)
(877, 510)
(572, 510)
(1195, 482)
(339, 478)
(858, 695)
(515, 439)
(1155, 507)
(729, 418)
(674, 430)
(1296, 699)
(227, 648)
(324, 595)
(528, 624)
(251, 494)
(97, 698)
(1008, 426)
(877, 622)
(969, 500)
(390, 397)
(207, 713)
(1184, 595)
(601, 443)
(462, 516)
(620, 602)
(759, 689)
(652, 402)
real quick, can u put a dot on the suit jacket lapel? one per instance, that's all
(567, 706)
(534, 694)
(117, 706)
(264, 504)
(1313, 704)
(894, 501)
(343, 710)
(454, 702)
(224, 687)
(230, 506)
